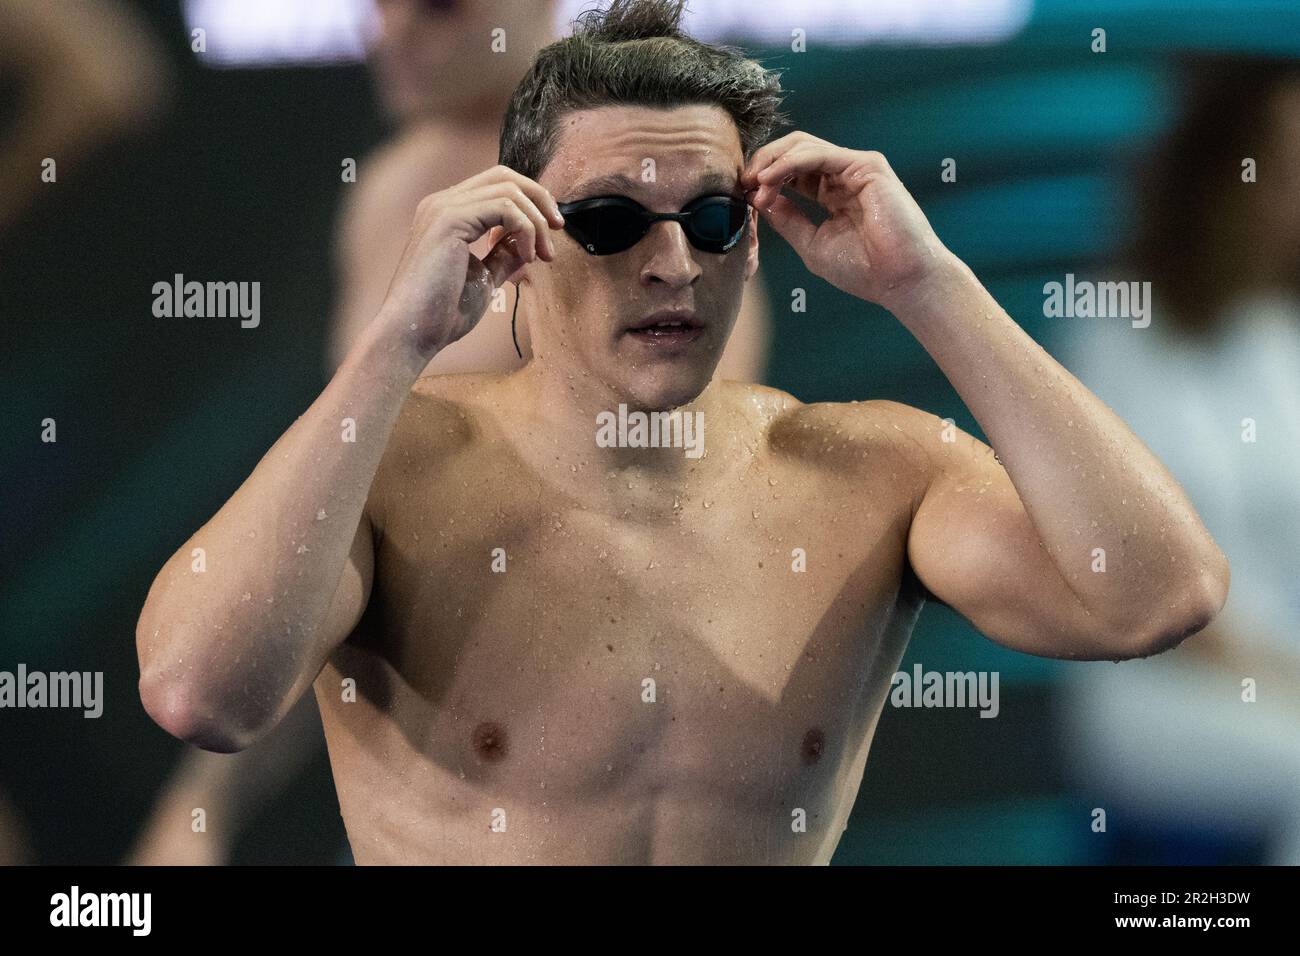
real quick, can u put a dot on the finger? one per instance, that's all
(766, 155)
(760, 196)
(498, 192)
(790, 222)
(541, 197)
(541, 228)
(494, 238)
(504, 260)
(805, 159)
(806, 185)
(535, 191)
(502, 210)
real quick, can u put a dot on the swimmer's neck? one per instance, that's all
(565, 404)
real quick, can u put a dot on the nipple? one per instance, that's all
(814, 743)
(489, 741)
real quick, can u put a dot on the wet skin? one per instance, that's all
(685, 658)
(525, 691)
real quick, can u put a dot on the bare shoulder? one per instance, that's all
(444, 413)
(763, 402)
(392, 179)
(443, 418)
(851, 436)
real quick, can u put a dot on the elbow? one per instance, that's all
(185, 701)
(181, 709)
(1195, 611)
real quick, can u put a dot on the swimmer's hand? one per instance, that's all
(440, 289)
(875, 244)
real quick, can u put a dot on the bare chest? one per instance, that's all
(730, 640)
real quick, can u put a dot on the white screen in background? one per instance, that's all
(258, 33)
(847, 22)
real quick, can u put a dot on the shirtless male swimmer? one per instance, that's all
(528, 647)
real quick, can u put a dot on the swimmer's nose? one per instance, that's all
(670, 261)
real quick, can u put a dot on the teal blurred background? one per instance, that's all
(159, 421)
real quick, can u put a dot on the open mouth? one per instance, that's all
(667, 329)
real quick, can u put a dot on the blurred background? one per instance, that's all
(222, 155)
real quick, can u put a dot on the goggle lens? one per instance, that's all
(613, 224)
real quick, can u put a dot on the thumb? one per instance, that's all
(790, 222)
(504, 261)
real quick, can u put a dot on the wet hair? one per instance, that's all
(1189, 234)
(634, 53)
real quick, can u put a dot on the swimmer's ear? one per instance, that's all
(751, 241)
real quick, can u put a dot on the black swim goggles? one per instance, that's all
(609, 224)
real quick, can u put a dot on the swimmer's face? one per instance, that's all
(437, 57)
(588, 305)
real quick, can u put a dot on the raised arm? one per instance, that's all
(242, 617)
(368, 244)
(975, 544)
(231, 636)
(1083, 545)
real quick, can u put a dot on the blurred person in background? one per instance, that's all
(81, 73)
(1170, 740)
(85, 72)
(439, 82)
(15, 843)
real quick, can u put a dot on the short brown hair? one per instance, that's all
(634, 53)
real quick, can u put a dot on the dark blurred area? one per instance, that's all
(158, 419)
(238, 178)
